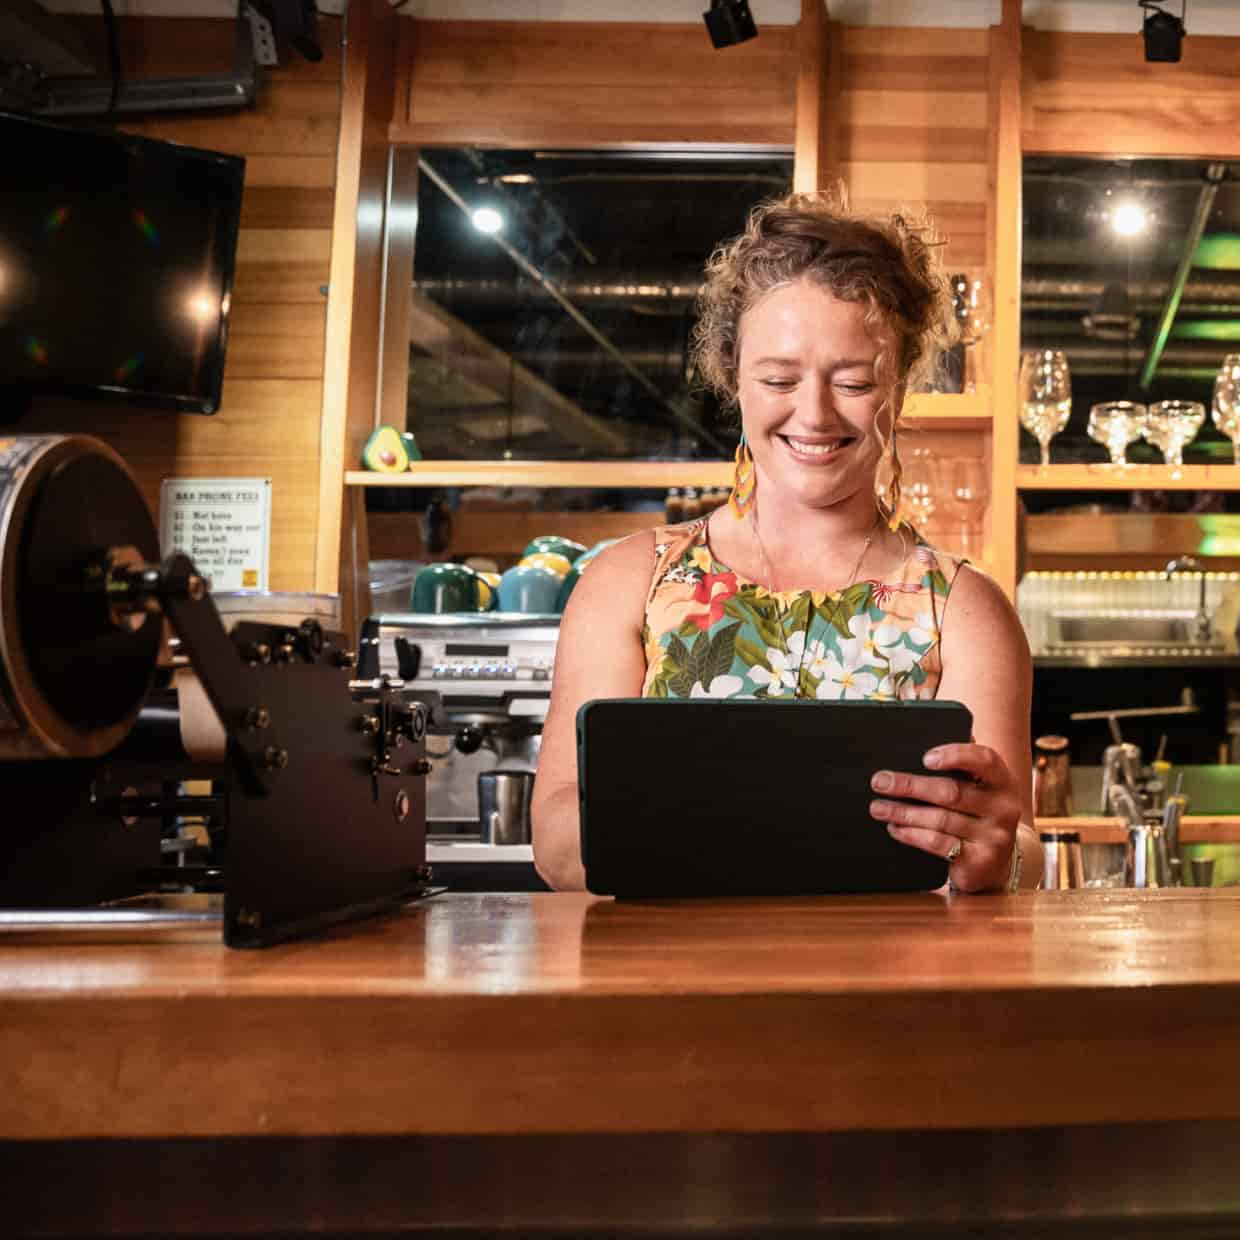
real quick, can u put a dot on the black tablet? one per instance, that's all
(743, 797)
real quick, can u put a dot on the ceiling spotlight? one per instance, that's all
(487, 220)
(729, 22)
(1129, 219)
(1162, 32)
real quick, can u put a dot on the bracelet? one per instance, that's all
(1018, 860)
(1014, 870)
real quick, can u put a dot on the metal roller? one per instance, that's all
(73, 672)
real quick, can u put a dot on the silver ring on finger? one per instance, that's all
(954, 851)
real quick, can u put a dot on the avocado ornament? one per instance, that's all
(384, 452)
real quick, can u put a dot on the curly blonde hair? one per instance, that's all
(889, 264)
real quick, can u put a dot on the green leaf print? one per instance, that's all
(688, 628)
(798, 613)
(750, 654)
(699, 662)
(681, 684)
(840, 611)
(721, 656)
(677, 653)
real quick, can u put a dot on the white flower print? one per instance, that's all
(784, 667)
(816, 660)
(844, 679)
(889, 638)
(720, 687)
(924, 631)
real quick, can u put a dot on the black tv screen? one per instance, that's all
(116, 265)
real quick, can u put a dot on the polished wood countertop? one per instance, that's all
(526, 1013)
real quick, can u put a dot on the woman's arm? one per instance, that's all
(987, 667)
(598, 655)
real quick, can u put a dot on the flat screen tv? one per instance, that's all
(116, 265)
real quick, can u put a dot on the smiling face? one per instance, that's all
(809, 395)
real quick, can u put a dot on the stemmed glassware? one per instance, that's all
(968, 491)
(1045, 396)
(919, 486)
(1226, 407)
(1115, 424)
(1171, 424)
(971, 306)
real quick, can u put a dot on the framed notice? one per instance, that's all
(222, 524)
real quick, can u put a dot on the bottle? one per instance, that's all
(674, 506)
(693, 504)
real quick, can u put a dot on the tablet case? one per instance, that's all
(745, 797)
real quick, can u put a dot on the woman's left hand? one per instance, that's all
(972, 822)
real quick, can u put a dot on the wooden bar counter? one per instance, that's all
(563, 1061)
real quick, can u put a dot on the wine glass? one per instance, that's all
(1226, 407)
(968, 491)
(1045, 396)
(971, 307)
(919, 486)
(1173, 423)
(1115, 424)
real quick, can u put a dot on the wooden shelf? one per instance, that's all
(657, 475)
(932, 411)
(1103, 477)
(1194, 829)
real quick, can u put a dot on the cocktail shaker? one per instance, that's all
(1052, 778)
(1062, 866)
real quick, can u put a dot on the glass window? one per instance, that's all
(553, 300)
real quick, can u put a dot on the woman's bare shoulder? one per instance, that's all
(981, 616)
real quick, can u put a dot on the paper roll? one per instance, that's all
(202, 733)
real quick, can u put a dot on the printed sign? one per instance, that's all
(222, 524)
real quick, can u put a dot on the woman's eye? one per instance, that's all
(856, 389)
(781, 385)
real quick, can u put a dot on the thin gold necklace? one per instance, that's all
(809, 611)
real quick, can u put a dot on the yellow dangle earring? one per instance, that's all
(744, 480)
(894, 488)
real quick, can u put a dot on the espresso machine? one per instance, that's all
(485, 681)
(158, 766)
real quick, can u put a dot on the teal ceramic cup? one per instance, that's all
(441, 588)
(529, 588)
(566, 547)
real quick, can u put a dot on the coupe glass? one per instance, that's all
(1115, 424)
(1045, 396)
(1226, 408)
(1171, 424)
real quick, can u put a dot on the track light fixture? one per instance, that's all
(1162, 31)
(729, 21)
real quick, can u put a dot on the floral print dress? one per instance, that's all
(711, 633)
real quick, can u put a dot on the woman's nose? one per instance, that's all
(819, 404)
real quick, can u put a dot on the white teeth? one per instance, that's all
(813, 449)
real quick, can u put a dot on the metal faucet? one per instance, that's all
(1203, 628)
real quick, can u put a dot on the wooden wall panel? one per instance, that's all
(1093, 94)
(914, 126)
(269, 421)
(592, 83)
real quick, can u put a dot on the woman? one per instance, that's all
(815, 322)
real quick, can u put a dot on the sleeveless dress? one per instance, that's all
(710, 632)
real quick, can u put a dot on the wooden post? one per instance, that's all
(354, 304)
(817, 163)
(1003, 220)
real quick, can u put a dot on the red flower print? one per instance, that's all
(714, 590)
